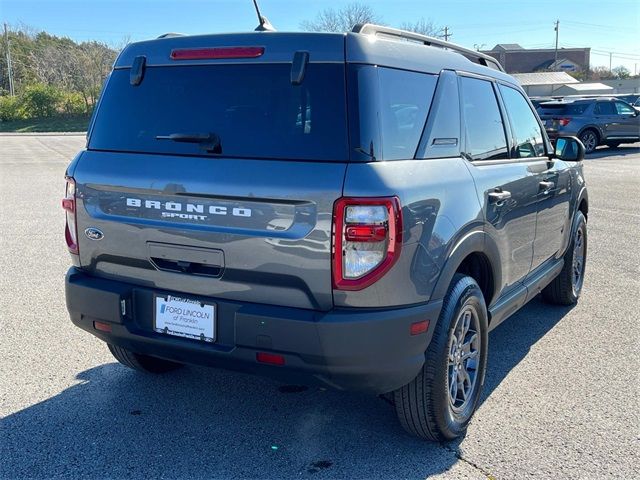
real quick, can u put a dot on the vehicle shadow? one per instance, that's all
(620, 151)
(196, 423)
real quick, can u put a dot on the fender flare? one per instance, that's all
(476, 241)
(582, 195)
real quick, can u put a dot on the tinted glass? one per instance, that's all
(526, 129)
(405, 98)
(563, 109)
(605, 108)
(485, 134)
(254, 110)
(575, 109)
(624, 109)
(442, 133)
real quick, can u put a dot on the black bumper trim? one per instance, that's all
(352, 349)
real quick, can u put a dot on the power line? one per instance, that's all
(612, 27)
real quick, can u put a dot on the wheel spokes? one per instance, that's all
(463, 358)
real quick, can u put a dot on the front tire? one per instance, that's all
(142, 363)
(565, 289)
(438, 404)
(590, 140)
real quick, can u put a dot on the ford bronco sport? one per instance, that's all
(349, 210)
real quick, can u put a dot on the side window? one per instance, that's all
(576, 109)
(624, 109)
(442, 133)
(526, 129)
(485, 134)
(605, 108)
(405, 98)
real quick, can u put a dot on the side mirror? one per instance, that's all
(569, 149)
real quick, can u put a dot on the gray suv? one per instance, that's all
(351, 210)
(595, 121)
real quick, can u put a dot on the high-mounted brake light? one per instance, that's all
(366, 241)
(69, 206)
(213, 53)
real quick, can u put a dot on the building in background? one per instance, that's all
(516, 59)
(561, 84)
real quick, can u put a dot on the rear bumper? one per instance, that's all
(351, 349)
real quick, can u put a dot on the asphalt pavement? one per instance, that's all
(561, 398)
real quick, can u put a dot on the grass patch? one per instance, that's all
(70, 123)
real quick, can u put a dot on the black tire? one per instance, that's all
(142, 363)
(424, 406)
(613, 144)
(565, 289)
(590, 139)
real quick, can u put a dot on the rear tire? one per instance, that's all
(613, 144)
(590, 140)
(565, 289)
(142, 363)
(426, 406)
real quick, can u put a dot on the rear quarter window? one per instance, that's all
(387, 110)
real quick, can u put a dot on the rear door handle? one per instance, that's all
(546, 186)
(498, 197)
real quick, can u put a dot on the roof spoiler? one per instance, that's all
(472, 55)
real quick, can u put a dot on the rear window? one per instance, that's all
(254, 110)
(563, 109)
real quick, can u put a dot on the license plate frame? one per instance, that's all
(185, 318)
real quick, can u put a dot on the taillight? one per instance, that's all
(367, 240)
(564, 121)
(69, 206)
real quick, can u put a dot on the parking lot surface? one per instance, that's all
(561, 398)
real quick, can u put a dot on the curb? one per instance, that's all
(42, 134)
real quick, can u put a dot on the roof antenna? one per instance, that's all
(264, 25)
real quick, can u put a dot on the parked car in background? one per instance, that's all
(630, 98)
(595, 121)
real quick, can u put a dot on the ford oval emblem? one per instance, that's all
(93, 234)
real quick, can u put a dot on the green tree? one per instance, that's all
(621, 72)
(40, 100)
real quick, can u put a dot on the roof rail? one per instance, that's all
(472, 55)
(171, 34)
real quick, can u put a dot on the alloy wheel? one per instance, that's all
(463, 360)
(590, 141)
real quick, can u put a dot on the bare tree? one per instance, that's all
(342, 20)
(93, 64)
(422, 26)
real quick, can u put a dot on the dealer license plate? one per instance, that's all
(183, 317)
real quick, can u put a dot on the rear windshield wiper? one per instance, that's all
(208, 141)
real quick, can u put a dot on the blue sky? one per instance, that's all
(604, 25)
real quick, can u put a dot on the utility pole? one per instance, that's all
(610, 60)
(557, 28)
(9, 67)
(446, 34)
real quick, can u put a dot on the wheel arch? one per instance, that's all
(476, 255)
(594, 127)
